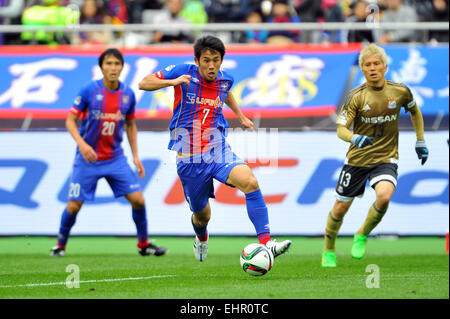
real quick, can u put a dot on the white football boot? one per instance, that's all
(57, 252)
(200, 248)
(278, 248)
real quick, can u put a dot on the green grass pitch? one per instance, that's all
(111, 268)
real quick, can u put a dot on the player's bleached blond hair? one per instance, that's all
(372, 49)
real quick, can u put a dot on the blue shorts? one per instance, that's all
(117, 173)
(197, 172)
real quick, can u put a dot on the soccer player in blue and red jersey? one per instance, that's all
(106, 108)
(197, 133)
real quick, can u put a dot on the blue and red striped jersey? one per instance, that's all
(103, 114)
(197, 123)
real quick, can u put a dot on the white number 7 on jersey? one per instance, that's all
(207, 112)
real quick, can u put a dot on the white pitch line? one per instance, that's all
(86, 281)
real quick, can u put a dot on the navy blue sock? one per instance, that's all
(201, 232)
(67, 221)
(140, 219)
(259, 215)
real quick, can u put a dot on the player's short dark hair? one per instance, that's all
(208, 43)
(112, 51)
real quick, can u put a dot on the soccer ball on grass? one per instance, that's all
(256, 259)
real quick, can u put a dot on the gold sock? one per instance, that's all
(331, 231)
(373, 219)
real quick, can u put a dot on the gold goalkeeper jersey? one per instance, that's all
(375, 112)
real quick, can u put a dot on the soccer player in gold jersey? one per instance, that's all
(373, 108)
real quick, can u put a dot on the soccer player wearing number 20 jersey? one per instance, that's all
(197, 134)
(106, 108)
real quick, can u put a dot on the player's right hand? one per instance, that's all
(140, 168)
(88, 153)
(186, 79)
(247, 123)
(362, 140)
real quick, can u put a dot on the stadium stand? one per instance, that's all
(136, 23)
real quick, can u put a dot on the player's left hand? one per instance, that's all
(422, 151)
(140, 167)
(246, 123)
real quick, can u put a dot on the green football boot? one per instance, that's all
(328, 259)
(359, 246)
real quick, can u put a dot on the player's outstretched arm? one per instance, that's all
(86, 150)
(232, 104)
(417, 121)
(152, 82)
(131, 130)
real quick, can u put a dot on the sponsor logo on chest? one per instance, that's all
(192, 98)
(379, 119)
(97, 115)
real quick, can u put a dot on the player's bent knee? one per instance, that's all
(73, 207)
(202, 218)
(340, 209)
(136, 200)
(253, 184)
(138, 203)
(382, 204)
(339, 214)
(383, 200)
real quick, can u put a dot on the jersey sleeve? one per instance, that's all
(131, 114)
(410, 102)
(348, 111)
(172, 71)
(231, 82)
(81, 102)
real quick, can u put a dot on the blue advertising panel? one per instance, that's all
(292, 81)
(298, 186)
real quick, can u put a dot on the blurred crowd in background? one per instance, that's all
(164, 12)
